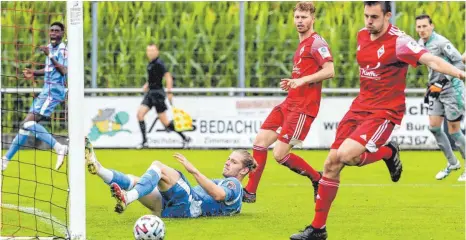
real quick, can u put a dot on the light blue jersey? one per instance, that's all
(183, 201)
(53, 91)
(232, 203)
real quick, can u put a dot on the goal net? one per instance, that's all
(39, 201)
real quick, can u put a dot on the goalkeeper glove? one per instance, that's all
(435, 89)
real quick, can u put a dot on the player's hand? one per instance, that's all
(184, 161)
(145, 88)
(294, 83)
(284, 85)
(28, 74)
(170, 98)
(435, 90)
(462, 75)
(45, 49)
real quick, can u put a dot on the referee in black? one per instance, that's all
(155, 95)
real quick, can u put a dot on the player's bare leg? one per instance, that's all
(153, 201)
(282, 155)
(170, 125)
(435, 126)
(142, 111)
(263, 140)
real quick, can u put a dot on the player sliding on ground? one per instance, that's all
(167, 193)
(383, 55)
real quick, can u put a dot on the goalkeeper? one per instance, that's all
(445, 95)
(167, 193)
(53, 93)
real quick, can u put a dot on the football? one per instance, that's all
(149, 227)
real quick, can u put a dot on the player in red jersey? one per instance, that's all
(312, 63)
(383, 54)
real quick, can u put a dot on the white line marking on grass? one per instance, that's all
(373, 185)
(44, 217)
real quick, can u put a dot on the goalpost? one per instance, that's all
(77, 180)
(76, 216)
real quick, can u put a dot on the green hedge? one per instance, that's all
(199, 40)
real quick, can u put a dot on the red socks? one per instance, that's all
(327, 191)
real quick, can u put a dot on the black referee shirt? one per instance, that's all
(156, 70)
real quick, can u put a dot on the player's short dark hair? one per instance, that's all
(424, 16)
(305, 7)
(62, 27)
(248, 160)
(152, 44)
(386, 5)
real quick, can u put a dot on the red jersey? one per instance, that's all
(383, 64)
(311, 54)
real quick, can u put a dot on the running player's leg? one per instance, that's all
(365, 145)
(266, 136)
(143, 109)
(329, 184)
(41, 108)
(453, 100)
(295, 129)
(436, 117)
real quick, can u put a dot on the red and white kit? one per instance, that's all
(296, 114)
(383, 64)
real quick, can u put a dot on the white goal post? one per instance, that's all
(76, 172)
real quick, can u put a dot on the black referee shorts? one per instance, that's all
(155, 99)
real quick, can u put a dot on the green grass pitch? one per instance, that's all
(368, 205)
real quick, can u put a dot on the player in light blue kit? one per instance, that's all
(53, 93)
(167, 193)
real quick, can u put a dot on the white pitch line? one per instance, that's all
(373, 185)
(60, 228)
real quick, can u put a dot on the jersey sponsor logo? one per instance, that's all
(324, 52)
(302, 50)
(369, 72)
(231, 185)
(414, 46)
(381, 51)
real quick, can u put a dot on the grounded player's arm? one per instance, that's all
(169, 81)
(439, 65)
(216, 192)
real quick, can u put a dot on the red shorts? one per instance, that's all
(294, 125)
(370, 132)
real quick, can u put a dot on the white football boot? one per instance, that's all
(462, 178)
(445, 172)
(4, 163)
